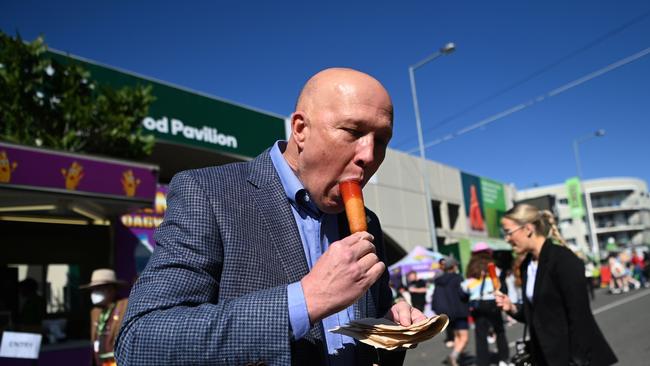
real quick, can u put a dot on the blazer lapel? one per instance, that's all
(275, 213)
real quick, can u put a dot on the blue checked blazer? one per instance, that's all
(215, 289)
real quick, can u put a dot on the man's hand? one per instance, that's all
(341, 275)
(404, 314)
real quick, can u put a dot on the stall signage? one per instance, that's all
(20, 345)
(178, 128)
(182, 116)
(147, 219)
(27, 167)
(142, 223)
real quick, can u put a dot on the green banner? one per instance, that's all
(574, 195)
(485, 204)
(189, 118)
(494, 205)
(465, 252)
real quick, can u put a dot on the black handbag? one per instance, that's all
(522, 356)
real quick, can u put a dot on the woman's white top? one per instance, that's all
(530, 283)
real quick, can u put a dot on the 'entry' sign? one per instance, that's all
(20, 345)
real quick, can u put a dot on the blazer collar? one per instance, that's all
(262, 171)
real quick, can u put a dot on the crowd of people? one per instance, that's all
(546, 279)
(621, 271)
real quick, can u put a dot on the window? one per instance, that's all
(53, 281)
(453, 210)
(48, 295)
(440, 240)
(435, 206)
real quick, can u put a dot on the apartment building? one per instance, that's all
(617, 211)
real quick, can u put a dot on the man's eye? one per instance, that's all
(353, 132)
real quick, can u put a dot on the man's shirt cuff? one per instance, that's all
(298, 316)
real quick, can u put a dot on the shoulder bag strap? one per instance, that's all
(482, 285)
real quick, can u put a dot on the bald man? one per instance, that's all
(254, 261)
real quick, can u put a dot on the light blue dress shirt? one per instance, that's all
(317, 231)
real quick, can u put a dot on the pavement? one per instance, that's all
(624, 319)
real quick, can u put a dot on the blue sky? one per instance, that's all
(259, 53)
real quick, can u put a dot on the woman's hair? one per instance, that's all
(542, 220)
(516, 270)
(478, 262)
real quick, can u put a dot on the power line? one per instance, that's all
(445, 121)
(570, 85)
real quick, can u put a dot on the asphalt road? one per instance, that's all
(624, 319)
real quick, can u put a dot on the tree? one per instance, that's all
(47, 103)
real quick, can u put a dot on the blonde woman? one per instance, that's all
(555, 306)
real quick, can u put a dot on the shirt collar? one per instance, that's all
(293, 188)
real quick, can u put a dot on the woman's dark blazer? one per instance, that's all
(562, 328)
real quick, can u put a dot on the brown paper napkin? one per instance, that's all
(383, 333)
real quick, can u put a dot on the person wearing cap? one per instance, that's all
(449, 298)
(106, 315)
(481, 246)
(483, 307)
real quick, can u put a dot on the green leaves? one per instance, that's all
(47, 103)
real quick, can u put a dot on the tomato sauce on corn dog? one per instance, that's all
(353, 201)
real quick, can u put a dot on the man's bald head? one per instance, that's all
(333, 84)
(339, 131)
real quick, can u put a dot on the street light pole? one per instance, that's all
(597, 133)
(591, 228)
(445, 50)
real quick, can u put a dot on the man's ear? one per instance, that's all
(298, 128)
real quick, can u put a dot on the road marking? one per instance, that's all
(620, 302)
(608, 307)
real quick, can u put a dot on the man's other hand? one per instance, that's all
(404, 314)
(341, 275)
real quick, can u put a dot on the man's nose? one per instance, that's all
(365, 155)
